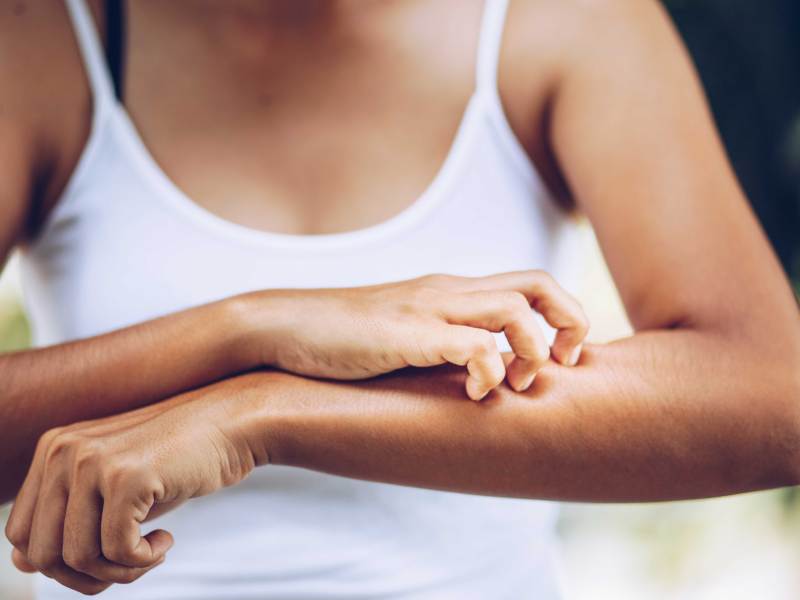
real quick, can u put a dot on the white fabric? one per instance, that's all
(124, 244)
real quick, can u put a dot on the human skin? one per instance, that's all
(701, 401)
(349, 333)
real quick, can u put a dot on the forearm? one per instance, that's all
(658, 416)
(422, 322)
(49, 387)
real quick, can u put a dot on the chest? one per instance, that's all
(311, 128)
(176, 203)
(125, 247)
(301, 131)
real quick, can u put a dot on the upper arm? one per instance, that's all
(17, 139)
(638, 147)
(45, 114)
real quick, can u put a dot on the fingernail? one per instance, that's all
(474, 395)
(524, 384)
(528, 382)
(576, 354)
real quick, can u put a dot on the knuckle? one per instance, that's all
(484, 343)
(128, 576)
(46, 439)
(517, 303)
(16, 534)
(76, 560)
(582, 327)
(86, 456)
(541, 355)
(578, 324)
(439, 282)
(436, 281)
(49, 435)
(542, 283)
(496, 375)
(117, 553)
(60, 446)
(116, 471)
(44, 561)
(541, 275)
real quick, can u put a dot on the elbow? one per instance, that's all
(783, 434)
(766, 384)
(792, 399)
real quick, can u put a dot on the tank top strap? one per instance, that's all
(490, 42)
(92, 53)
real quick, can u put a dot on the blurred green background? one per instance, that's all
(739, 548)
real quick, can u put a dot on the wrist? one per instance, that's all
(257, 410)
(252, 321)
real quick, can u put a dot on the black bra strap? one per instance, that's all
(115, 44)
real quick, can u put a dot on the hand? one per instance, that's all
(90, 486)
(357, 333)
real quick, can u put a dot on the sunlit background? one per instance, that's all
(739, 548)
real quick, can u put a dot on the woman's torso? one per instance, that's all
(374, 169)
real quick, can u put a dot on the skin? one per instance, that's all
(701, 401)
(422, 323)
(262, 329)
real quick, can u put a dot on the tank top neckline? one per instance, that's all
(108, 111)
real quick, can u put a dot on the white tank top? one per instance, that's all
(124, 245)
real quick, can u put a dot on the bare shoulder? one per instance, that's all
(594, 45)
(38, 59)
(587, 31)
(44, 109)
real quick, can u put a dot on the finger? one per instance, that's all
(508, 312)
(76, 581)
(475, 348)
(561, 310)
(81, 550)
(44, 545)
(47, 526)
(21, 562)
(121, 541)
(34, 520)
(18, 527)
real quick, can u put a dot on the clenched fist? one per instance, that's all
(91, 485)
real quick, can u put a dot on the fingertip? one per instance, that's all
(517, 384)
(562, 353)
(575, 356)
(521, 373)
(475, 392)
(21, 562)
(526, 383)
(160, 542)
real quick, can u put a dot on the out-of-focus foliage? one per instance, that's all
(14, 332)
(748, 55)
